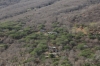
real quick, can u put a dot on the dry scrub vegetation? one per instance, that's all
(49, 33)
(48, 11)
(27, 46)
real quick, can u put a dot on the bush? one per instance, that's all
(88, 64)
(59, 41)
(97, 47)
(41, 47)
(18, 35)
(79, 35)
(86, 53)
(55, 63)
(55, 25)
(81, 46)
(52, 36)
(92, 36)
(32, 36)
(65, 63)
(66, 47)
(72, 43)
(10, 25)
(52, 56)
(41, 26)
(28, 60)
(98, 36)
(4, 45)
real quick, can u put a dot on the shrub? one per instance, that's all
(18, 35)
(32, 36)
(66, 47)
(28, 60)
(92, 36)
(52, 56)
(55, 63)
(65, 63)
(97, 47)
(52, 36)
(86, 53)
(10, 25)
(41, 47)
(88, 64)
(98, 36)
(79, 35)
(41, 26)
(72, 43)
(4, 45)
(55, 24)
(81, 46)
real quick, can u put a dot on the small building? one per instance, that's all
(42, 30)
(52, 50)
(52, 32)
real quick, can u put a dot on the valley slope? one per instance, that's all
(49, 32)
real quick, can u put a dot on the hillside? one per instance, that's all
(49, 33)
(56, 10)
(90, 15)
(5, 3)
